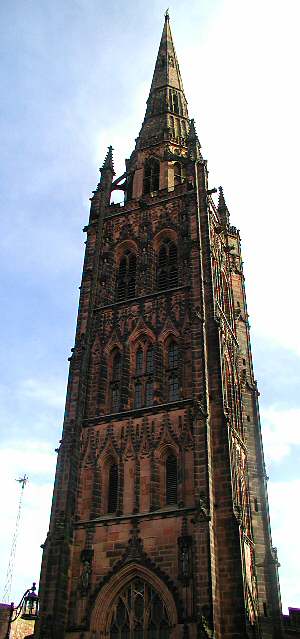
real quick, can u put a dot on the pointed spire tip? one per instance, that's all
(222, 207)
(167, 15)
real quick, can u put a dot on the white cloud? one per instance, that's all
(285, 516)
(281, 432)
(50, 392)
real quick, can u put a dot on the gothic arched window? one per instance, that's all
(139, 613)
(113, 481)
(151, 175)
(115, 383)
(126, 277)
(171, 479)
(167, 265)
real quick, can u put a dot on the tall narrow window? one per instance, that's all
(151, 176)
(113, 489)
(175, 103)
(143, 383)
(126, 278)
(167, 266)
(172, 355)
(115, 382)
(149, 360)
(139, 362)
(138, 395)
(172, 372)
(171, 479)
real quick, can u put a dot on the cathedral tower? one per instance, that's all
(159, 525)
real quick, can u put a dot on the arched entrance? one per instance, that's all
(134, 604)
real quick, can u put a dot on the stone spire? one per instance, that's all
(222, 208)
(166, 115)
(166, 72)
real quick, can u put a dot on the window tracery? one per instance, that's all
(139, 613)
(144, 387)
(173, 372)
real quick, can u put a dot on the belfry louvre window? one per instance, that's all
(151, 176)
(113, 481)
(139, 613)
(126, 278)
(167, 266)
(171, 479)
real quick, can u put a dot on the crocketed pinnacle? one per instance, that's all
(109, 161)
(222, 208)
(166, 115)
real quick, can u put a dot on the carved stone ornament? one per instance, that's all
(185, 563)
(238, 513)
(85, 577)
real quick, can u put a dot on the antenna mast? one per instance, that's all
(11, 564)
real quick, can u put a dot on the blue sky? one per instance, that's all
(75, 76)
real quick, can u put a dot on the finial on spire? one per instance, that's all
(222, 208)
(109, 161)
(167, 15)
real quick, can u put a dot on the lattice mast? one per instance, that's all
(11, 563)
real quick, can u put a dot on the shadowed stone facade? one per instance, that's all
(159, 524)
